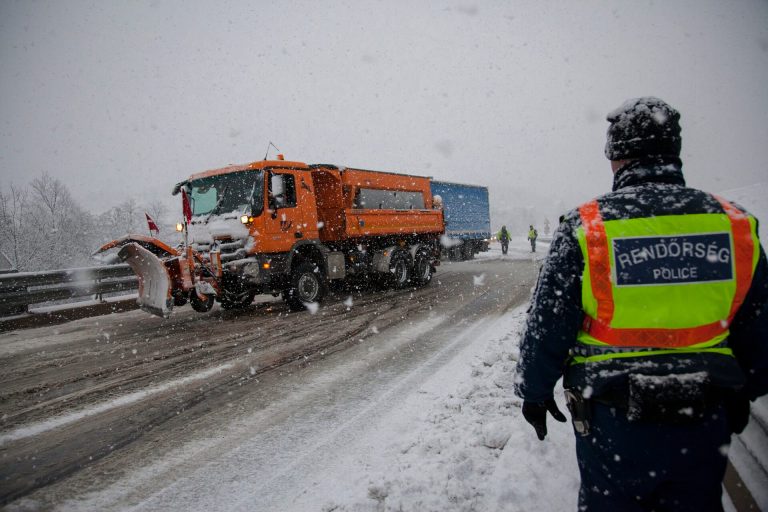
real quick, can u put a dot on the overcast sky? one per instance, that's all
(123, 99)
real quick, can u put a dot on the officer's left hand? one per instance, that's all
(535, 413)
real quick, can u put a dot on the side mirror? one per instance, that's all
(276, 193)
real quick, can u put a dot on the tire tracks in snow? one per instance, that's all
(66, 407)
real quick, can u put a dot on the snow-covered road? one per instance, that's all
(342, 438)
(237, 436)
(417, 415)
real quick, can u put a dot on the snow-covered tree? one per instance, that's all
(13, 205)
(60, 228)
(127, 217)
(43, 228)
(157, 209)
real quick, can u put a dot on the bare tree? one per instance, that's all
(157, 210)
(54, 198)
(58, 230)
(130, 214)
(127, 217)
(13, 205)
(42, 227)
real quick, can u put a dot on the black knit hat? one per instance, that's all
(643, 127)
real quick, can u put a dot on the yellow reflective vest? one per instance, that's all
(665, 284)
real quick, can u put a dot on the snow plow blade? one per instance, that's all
(155, 246)
(154, 280)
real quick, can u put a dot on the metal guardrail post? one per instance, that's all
(98, 296)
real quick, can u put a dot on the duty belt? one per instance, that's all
(584, 350)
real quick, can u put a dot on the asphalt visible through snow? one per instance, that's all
(131, 410)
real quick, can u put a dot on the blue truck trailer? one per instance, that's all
(467, 219)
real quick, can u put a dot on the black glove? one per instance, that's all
(737, 411)
(535, 413)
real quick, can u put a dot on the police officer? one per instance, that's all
(504, 237)
(653, 306)
(532, 236)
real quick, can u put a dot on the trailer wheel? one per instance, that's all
(422, 269)
(467, 251)
(307, 286)
(201, 305)
(400, 270)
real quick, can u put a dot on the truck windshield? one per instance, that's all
(238, 193)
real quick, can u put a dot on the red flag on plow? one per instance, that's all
(186, 206)
(151, 223)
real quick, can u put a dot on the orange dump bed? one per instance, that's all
(353, 203)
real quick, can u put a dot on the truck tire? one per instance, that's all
(400, 270)
(201, 305)
(467, 251)
(422, 269)
(307, 286)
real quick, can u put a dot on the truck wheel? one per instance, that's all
(400, 270)
(467, 251)
(201, 305)
(307, 286)
(422, 269)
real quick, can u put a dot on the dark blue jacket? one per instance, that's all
(640, 189)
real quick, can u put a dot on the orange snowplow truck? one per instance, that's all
(289, 228)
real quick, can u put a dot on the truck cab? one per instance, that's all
(255, 208)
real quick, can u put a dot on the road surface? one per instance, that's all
(130, 410)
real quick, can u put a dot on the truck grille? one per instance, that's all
(230, 249)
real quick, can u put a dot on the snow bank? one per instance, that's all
(519, 249)
(467, 446)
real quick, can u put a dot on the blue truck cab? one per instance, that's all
(467, 219)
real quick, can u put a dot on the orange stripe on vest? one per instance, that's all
(599, 260)
(744, 249)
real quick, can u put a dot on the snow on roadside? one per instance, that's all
(519, 249)
(466, 445)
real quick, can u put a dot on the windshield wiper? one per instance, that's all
(218, 203)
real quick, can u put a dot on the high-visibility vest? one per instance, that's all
(661, 285)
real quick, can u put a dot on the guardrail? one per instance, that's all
(19, 291)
